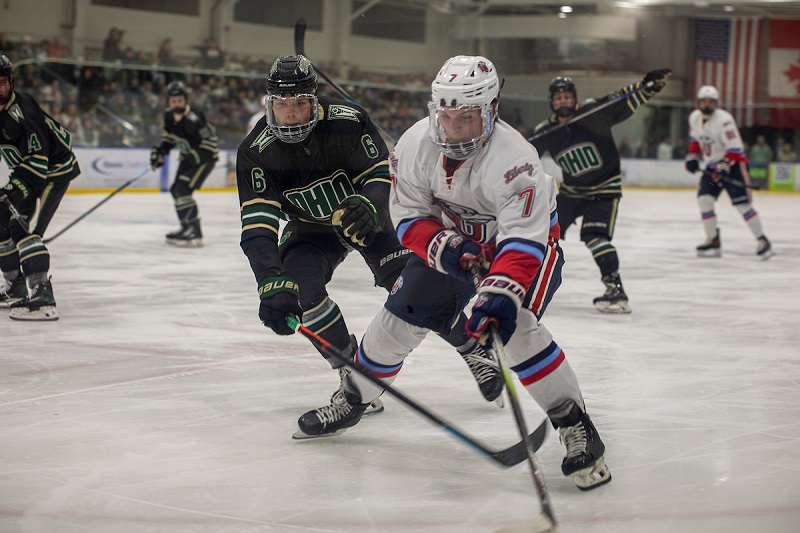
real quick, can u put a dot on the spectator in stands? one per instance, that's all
(642, 150)
(679, 150)
(6, 47)
(111, 46)
(213, 56)
(26, 48)
(787, 154)
(58, 48)
(165, 54)
(625, 149)
(664, 149)
(761, 152)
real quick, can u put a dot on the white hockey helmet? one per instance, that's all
(464, 82)
(708, 91)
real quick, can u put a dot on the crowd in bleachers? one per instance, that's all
(122, 103)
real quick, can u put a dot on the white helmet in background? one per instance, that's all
(464, 82)
(708, 91)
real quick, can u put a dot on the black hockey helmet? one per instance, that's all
(177, 88)
(6, 71)
(561, 84)
(292, 75)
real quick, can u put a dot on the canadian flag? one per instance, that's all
(784, 73)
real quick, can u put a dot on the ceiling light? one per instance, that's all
(566, 9)
(728, 9)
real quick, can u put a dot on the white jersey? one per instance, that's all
(501, 196)
(717, 137)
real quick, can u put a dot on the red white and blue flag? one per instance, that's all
(726, 55)
(784, 73)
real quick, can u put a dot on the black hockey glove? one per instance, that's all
(356, 220)
(156, 159)
(692, 165)
(279, 299)
(658, 78)
(452, 254)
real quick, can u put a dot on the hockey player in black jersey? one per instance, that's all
(196, 139)
(584, 148)
(321, 164)
(38, 150)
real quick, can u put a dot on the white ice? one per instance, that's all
(158, 402)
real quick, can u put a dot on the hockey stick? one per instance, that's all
(726, 179)
(16, 215)
(300, 49)
(576, 118)
(508, 457)
(513, 399)
(104, 200)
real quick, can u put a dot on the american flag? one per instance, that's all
(726, 53)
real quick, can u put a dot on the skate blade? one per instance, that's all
(375, 407)
(194, 243)
(591, 478)
(709, 253)
(766, 255)
(500, 402)
(43, 314)
(302, 435)
(619, 308)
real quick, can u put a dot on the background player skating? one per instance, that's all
(196, 138)
(590, 165)
(715, 141)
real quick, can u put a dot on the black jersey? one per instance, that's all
(35, 146)
(343, 155)
(194, 136)
(585, 149)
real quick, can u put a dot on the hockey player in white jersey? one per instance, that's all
(469, 190)
(715, 141)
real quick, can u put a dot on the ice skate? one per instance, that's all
(373, 408)
(189, 235)
(486, 373)
(12, 291)
(614, 300)
(710, 248)
(764, 250)
(39, 305)
(584, 461)
(332, 419)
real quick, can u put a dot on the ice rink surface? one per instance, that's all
(159, 403)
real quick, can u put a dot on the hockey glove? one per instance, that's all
(450, 253)
(692, 166)
(492, 311)
(279, 299)
(658, 78)
(356, 220)
(156, 159)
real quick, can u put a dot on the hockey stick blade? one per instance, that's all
(508, 457)
(300, 36)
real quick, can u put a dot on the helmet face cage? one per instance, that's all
(464, 83)
(6, 71)
(290, 78)
(563, 84)
(177, 88)
(291, 133)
